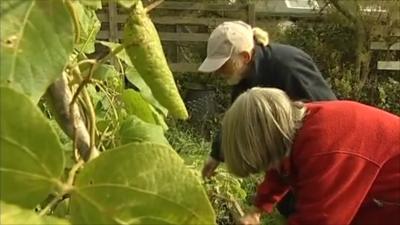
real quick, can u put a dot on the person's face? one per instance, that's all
(234, 69)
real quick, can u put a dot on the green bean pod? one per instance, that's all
(143, 47)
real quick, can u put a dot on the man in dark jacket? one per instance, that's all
(243, 56)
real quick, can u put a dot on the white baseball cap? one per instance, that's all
(227, 38)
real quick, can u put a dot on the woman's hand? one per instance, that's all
(251, 218)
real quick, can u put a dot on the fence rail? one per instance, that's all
(389, 65)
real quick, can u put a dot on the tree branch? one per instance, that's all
(345, 12)
(153, 5)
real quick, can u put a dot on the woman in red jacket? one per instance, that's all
(340, 158)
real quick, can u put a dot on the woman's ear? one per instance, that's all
(246, 56)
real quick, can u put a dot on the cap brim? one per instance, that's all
(210, 65)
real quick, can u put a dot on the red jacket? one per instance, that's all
(344, 167)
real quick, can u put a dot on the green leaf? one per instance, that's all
(105, 71)
(133, 129)
(139, 183)
(12, 214)
(159, 118)
(94, 4)
(136, 105)
(127, 3)
(89, 27)
(134, 77)
(36, 41)
(32, 158)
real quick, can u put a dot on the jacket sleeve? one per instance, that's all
(331, 188)
(270, 191)
(216, 151)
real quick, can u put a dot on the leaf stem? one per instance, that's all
(73, 171)
(91, 61)
(70, 182)
(53, 202)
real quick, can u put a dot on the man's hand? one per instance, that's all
(209, 167)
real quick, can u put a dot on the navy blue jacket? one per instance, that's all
(287, 68)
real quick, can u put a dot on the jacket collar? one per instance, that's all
(261, 57)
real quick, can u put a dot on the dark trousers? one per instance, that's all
(286, 205)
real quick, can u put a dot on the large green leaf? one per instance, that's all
(32, 158)
(12, 214)
(139, 184)
(134, 77)
(36, 41)
(136, 105)
(89, 27)
(133, 129)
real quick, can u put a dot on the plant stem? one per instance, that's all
(99, 85)
(72, 172)
(70, 7)
(91, 61)
(102, 135)
(70, 181)
(53, 202)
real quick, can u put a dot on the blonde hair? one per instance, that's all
(258, 130)
(261, 36)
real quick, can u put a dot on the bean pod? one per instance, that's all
(144, 48)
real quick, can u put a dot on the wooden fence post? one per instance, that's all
(113, 25)
(251, 14)
(113, 28)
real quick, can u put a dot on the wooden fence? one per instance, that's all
(188, 30)
(190, 26)
(383, 64)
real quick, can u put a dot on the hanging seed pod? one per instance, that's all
(144, 48)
